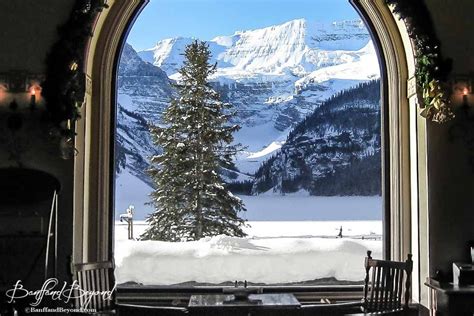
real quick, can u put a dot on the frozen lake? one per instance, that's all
(312, 208)
(265, 207)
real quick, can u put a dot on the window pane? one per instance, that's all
(298, 199)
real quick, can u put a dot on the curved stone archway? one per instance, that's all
(404, 139)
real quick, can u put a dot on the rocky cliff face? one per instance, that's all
(144, 91)
(274, 77)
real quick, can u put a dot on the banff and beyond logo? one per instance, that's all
(52, 290)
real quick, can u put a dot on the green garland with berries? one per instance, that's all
(432, 69)
(64, 86)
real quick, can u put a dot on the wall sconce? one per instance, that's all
(20, 87)
(465, 100)
(20, 95)
(21, 99)
(462, 89)
(463, 128)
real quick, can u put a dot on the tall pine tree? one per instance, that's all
(190, 198)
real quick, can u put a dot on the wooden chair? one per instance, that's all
(387, 285)
(99, 277)
(96, 276)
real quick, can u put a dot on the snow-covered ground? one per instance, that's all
(273, 253)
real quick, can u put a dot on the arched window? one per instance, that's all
(303, 83)
(93, 215)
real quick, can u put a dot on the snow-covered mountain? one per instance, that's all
(274, 77)
(143, 93)
(333, 151)
(296, 47)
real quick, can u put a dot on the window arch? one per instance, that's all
(403, 143)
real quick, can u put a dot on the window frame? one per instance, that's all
(94, 165)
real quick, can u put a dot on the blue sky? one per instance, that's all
(205, 19)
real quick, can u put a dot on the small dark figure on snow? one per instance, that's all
(340, 233)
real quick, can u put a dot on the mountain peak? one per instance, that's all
(296, 22)
(287, 29)
(294, 47)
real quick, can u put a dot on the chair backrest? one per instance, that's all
(388, 286)
(96, 277)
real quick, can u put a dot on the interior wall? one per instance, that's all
(450, 176)
(28, 29)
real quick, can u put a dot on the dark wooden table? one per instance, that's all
(222, 304)
(447, 299)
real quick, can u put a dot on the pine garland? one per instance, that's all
(64, 86)
(432, 69)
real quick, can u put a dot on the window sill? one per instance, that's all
(179, 295)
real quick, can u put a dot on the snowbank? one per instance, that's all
(267, 260)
